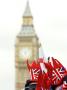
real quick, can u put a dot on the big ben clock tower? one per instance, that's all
(27, 47)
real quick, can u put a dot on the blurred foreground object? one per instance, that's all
(47, 76)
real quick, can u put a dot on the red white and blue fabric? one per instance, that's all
(35, 73)
(54, 76)
(34, 70)
(64, 87)
(58, 72)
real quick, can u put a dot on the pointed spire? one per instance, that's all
(27, 10)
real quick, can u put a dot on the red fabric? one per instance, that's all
(58, 72)
(64, 87)
(54, 75)
(34, 69)
(43, 82)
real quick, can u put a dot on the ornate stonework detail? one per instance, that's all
(27, 31)
(27, 47)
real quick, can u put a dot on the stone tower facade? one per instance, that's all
(27, 47)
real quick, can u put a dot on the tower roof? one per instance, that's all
(27, 29)
(27, 10)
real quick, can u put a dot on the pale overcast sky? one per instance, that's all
(50, 21)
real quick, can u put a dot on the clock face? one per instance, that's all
(25, 53)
